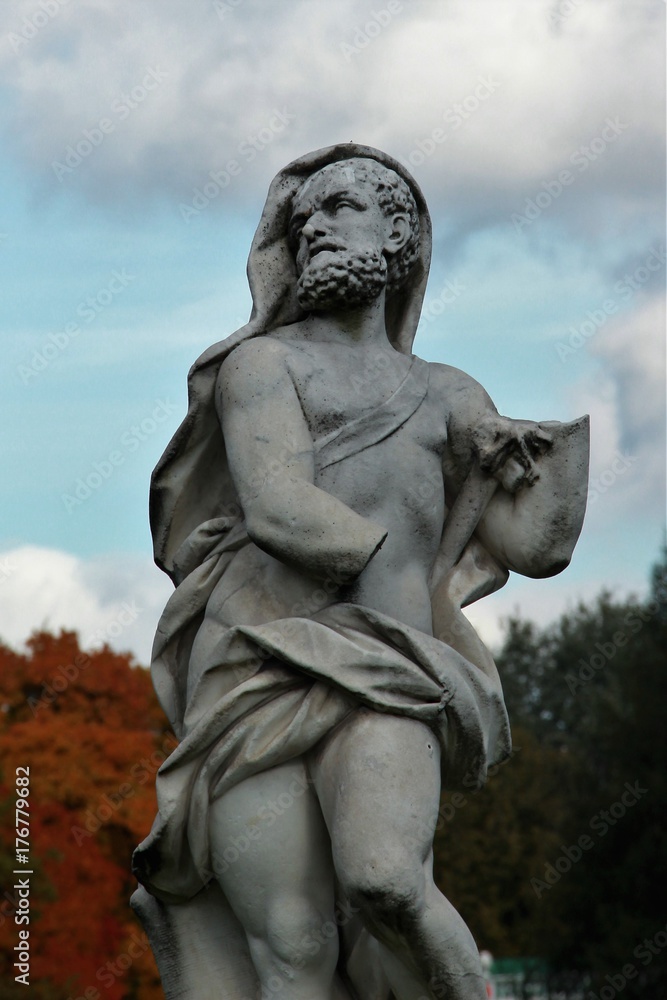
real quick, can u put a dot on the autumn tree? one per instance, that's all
(88, 727)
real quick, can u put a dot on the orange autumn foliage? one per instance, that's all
(89, 727)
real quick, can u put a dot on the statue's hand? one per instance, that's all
(507, 449)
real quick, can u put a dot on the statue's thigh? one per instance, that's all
(270, 849)
(377, 778)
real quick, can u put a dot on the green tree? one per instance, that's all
(561, 856)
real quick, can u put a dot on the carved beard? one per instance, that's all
(341, 278)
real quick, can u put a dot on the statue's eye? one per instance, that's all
(296, 227)
(345, 201)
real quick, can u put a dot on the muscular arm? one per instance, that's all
(503, 447)
(468, 406)
(271, 459)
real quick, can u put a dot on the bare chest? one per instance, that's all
(337, 386)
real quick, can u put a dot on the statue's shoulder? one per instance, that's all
(447, 375)
(457, 389)
(254, 354)
(258, 365)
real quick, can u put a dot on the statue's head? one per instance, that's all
(354, 231)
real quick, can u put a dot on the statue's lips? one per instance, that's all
(324, 247)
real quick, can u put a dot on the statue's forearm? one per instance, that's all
(303, 526)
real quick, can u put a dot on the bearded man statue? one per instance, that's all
(327, 508)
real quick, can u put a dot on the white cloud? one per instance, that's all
(552, 87)
(626, 400)
(113, 599)
(633, 351)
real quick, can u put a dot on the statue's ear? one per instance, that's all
(399, 234)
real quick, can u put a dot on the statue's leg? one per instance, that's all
(378, 781)
(271, 853)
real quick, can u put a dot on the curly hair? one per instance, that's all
(394, 196)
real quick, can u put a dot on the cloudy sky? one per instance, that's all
(139, 142)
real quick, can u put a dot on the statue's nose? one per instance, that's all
(313, 228)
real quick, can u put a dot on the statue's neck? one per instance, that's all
(363, 325)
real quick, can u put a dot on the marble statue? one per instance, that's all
(326, 509)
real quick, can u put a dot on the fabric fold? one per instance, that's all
(371, 428)
(302, 677)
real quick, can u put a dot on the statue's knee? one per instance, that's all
(299, 937)
(388, 897)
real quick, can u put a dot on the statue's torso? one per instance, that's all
(396, 483)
